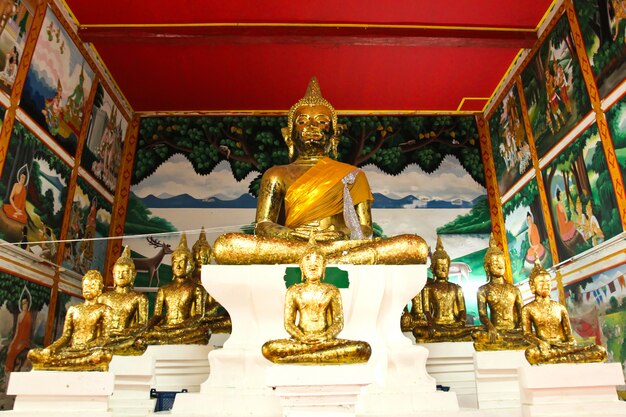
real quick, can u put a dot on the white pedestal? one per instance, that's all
(586, 389)
(452, 365)
(497, 382)
(60, 394)
(179, 366)
(254, 296)
(134, 376)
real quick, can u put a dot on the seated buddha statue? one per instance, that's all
(414, 317)
(214, 314)
(85, 333)
(443, 304)
(547, 327)
(314, 317)
(129, 309)
(179, 307)
(317, 194)
(502, 327)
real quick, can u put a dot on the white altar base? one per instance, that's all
(254, 297)
(178, 367)
(134, 376)
(452, 365)
(497, 382)
(60, 394)
(585, 389)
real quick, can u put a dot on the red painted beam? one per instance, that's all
(340, 34)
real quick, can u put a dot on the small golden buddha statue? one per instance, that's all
(415, 317)
(85, 333)
(443, 304)
(179, 307)
(214, 314)
(502, 327)
(129, 309)
(318, 306)
(546, 326)
(316, 194)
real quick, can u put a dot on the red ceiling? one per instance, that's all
(406, 55)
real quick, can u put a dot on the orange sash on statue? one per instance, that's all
(318, 193)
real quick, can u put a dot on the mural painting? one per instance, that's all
(526, 233)
(102, 154)
(425, 174)
(597, 310)
(603, 27)
(581, 196)
(57, 85)
(90, 219)
(554, 88)
(15, 22)
(33, 187)
(23, 316)
(616, 119)
(511, 151)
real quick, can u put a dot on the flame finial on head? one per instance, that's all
(439, 252)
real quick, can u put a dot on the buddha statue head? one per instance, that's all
(182, 259)
(92, 285)
(201, 251)
(494, 260)
(124, 272)
(313, 263)
(312, 124)
(540, 281)
(440, 261)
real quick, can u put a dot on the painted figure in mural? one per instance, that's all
(53, 109)
(502, 327)
(567, 229)
(553, 103)
(313, 318)
(85, 249)
(546, 326)
(443, 304)
(11, 61)
(179, 308)
(591, 227)
(8, 9)
(76, 101)
(536, 250)
(415, 317)
(129, 309)
(16, 208)
(315, 193)
(215, 315)
(561, 83)
(86, 328)
(619, 11)
(22, 336)
(579, 217)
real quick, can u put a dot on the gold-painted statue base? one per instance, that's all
(567, 353)
(443, 333)
(97, 359)
(330, 352)
(500, 340)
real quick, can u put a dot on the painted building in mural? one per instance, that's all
(552, 180)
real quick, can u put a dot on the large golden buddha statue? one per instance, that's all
(316, 194)
(214, 314)
(502, 327)
(129, 309)
(85, 333)
(179, 306)
(443, 305)
(313, 318)
(546, 326)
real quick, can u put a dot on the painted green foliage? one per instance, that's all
(255, 143)
(616, 117)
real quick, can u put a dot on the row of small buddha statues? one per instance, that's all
(541, 327)
(116, 321)
(313, 196)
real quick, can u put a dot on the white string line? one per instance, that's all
(179, 232)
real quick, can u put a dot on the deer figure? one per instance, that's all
(151, 265)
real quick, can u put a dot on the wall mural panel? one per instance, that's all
(13, 38)
(581, 196)
(102, 154)
(23, 317)
(616, 118)
(90, 219)
(603, 27)
(425, 173)
(511, 151)
(597, 310)
(57, 85)
(554, 88)
(526, 231)
(33, 187)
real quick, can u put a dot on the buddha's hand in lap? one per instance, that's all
(329, 234)
(313, 339)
